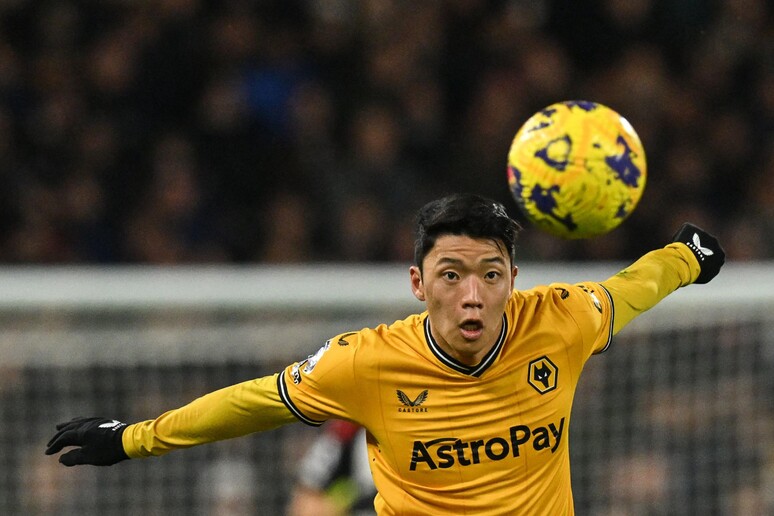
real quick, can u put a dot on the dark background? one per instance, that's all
(194, 131)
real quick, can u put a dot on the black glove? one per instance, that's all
(98, 440)
(706, 249)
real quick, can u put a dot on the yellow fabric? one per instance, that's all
(650, 279)
(234, 411)
(444, 438)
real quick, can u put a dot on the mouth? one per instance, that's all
(471, 329)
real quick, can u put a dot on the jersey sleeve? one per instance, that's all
(233, 411)
(650, 279)
(591, 309)
(324, 385)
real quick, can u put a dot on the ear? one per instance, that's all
(514, 273)
(417, 287)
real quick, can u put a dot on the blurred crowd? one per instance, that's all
(278, 131)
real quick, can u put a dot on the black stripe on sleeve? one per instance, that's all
(612, 320)
(282, 388)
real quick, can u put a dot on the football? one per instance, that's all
(576, 169)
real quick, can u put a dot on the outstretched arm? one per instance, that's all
(241, 409)
(694, 256)
(233, 411)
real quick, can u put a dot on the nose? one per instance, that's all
(471, 293)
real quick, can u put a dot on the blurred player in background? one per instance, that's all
(334, 477)
(466, 405)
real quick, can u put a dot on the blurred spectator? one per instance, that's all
(641, 484)
(380, 103)
(374, 188)
(45, 489)
(334, 476)
(228, 486)
(288, 226)
(171, 222)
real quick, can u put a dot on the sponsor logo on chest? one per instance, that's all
(445, 452)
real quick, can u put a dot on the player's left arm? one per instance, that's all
(693, 256)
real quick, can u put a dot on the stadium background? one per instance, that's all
(230, 138)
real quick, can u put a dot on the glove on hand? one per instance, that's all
(706, 249)
(98, 440)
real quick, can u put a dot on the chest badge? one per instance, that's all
(542, 375)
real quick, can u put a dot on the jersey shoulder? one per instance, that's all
(325, 384)
(362, 349)
(563, 297)
(403, 332)
(584, 310)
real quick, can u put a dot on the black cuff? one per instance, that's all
(705, 247)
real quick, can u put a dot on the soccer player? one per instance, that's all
(466, 405)
(334, 475)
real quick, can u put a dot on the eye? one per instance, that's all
(450, 275)
(491, 275)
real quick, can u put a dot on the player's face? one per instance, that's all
(465, 284)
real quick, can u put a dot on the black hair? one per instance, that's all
(463, 214)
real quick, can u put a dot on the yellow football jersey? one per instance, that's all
(446, 438)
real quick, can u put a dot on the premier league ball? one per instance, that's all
(577, 169)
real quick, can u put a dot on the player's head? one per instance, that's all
(464, 214)
(464, 272)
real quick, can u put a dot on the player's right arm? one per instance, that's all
(241, 409)
(233, 411)
(311, 391)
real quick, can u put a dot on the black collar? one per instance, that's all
(476, 370)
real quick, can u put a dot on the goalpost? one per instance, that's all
(678, 413)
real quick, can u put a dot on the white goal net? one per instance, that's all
(676, 418)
